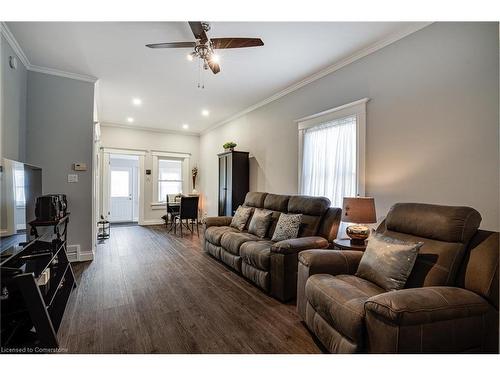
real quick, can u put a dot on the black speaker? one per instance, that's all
(51, 207)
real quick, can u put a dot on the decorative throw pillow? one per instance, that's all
(259, 224)
(287, 227)
(240, 217)
(388, 261)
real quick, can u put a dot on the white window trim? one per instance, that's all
(155, 205)
(356, 108)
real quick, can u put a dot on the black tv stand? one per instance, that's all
(36, 282)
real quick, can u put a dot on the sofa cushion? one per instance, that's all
(259, 224)
(214, 234)
(287, 227)
(340, 301)
(231, 241)
(312, 210)
(441, 223)
(241, 216)
(388, 261)
(255, 199)
(258, 277)
(437, 262)
(276, 202)
(257, 253)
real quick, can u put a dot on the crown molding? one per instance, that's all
(322, 73)
(147, 129)
(36, 68)
(62, 73)
(14, 44)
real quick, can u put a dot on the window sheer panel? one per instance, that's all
(329, 160)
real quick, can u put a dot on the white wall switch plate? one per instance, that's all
(72, 178)
(80, 166)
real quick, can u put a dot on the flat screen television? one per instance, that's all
(20, 185)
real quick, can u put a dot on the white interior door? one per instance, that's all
(121, 194)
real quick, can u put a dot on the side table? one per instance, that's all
(345, 244)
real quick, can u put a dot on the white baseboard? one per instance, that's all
(152, 222)
(86, 256)
(76, 255)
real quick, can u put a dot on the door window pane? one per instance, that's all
(119, 184)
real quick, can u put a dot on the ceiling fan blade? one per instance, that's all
(198, 31)
(214, 67)
(221, 43)
(172, 45)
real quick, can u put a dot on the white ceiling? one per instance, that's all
(166, 82)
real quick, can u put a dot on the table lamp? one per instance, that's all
(358, 210)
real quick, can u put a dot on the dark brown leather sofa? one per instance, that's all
(450, 302)
(273, 265)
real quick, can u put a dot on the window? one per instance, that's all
(120, 184)
(169, 177)
(19, 184)
(331, 162)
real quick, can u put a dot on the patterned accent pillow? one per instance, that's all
(388, 261)
(287, 227)
(260, 222)
(240, 217)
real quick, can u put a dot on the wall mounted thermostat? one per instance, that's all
(72, 178)
(80, 166)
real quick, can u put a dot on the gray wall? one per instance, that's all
(432, 123)
(59, 133)
(13, 127)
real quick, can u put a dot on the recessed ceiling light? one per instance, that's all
(136, 101)
(189, 57)
(205, 112)
(185, 126)
(130, 119)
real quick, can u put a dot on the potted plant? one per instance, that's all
(229, 146)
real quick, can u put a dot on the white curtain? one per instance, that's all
(329, 160)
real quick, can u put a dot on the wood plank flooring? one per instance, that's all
(152, 292)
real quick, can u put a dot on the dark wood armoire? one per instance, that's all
(233, 181)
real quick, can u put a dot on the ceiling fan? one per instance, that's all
(204, 47)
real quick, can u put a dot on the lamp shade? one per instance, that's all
(359, 210)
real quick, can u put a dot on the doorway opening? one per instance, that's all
(123, 189)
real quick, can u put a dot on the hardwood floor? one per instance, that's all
(151, 292)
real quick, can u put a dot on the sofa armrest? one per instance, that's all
(426, 305)
(296, 245)
(284, 261)
(333, 262)
(217, 221)
(429, 319)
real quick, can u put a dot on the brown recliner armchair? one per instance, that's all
(449, 304)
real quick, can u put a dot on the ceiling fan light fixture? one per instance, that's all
(215, 58)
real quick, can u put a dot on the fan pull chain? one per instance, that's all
(199, 73)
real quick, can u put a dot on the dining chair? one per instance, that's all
(173, 207)
(189, 213)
